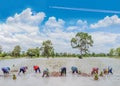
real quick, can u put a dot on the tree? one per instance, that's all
(33, 52)
(4, 54)
(112, 51)
(93, 54)
(16, 51)
(52, 53)
(47, 48)
(57, 54)
(37, 51)
(0, 49)
(82, 41)
(117, 51)
(23, 54)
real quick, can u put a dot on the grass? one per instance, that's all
(10, 57)
(6, 57)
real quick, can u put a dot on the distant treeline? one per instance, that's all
(82, 41)
(37, 53)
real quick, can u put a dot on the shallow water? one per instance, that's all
(85, 65)
(59, 81)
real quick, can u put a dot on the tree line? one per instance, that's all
(82, 41)
(114, 52)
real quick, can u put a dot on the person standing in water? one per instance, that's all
(36, 68)
(105, 70)
(23, 70)
(74, 69)
(6, 70)
(94, 71)
(45, 73)
(63, 71)
(110, 70)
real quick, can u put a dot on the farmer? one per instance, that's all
(63, 71)
(6, 70)
(23, 69)
(74, 69)
(94, 70)
(110, 70)
(105, 71)
(36, 68)
(46, 73)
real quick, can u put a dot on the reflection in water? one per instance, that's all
(32, 79)
(59, 81)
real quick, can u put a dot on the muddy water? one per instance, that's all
(85, 65)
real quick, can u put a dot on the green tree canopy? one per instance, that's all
(0, 49)
(117, 51)
(112, 52)
(47, 48)
(82, 41)
(33, 52)
(16, 51)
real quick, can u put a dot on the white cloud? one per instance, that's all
(24, 29)
(104, 41)
(25, 22)
(70, 28)
(53, 23)
(80, 22)
(103, 37)
(21, 29)
(17, 28)
(27, 17)
(79, 26)
(107, 21)
(60, 40)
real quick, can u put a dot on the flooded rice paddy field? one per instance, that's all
(54, 64)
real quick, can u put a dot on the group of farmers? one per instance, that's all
(63, 71)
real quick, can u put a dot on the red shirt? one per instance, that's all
(36, 67)
(95, 69)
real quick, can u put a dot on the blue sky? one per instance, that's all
(10, 7)
(24, 22)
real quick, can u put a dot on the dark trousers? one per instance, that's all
(21, 70)
(75, 71)
(110, 71)
(38, 69)
(45, 73)
(63, 71)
